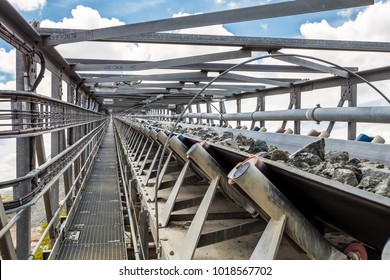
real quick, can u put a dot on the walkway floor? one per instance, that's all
(97, 230)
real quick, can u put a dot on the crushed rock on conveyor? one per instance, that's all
(334, 165)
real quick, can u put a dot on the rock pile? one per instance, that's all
(228, 139)
(312, 158)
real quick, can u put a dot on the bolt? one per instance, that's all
(171, 253)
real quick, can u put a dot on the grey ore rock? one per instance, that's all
(316, 148)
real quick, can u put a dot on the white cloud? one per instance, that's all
(136, 6)
(10, 85)
(347, 13)
(8, 159)
(7, 146)
(28, 5)
(84, 18)
(371, 24)
(88, 18)
(233, 5)
(44, 86)
(8, 61)
(264, 26)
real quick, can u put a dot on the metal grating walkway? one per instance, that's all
(97, 230)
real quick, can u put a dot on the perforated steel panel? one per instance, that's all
(98, 223)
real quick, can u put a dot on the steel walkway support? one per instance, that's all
(97, 230)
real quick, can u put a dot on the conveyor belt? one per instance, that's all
(97, 230)
(355, 213)
(291, 143)
(363, 215)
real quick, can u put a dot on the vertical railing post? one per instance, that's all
(238, 103)
(199, 120)
(222, 110)
(352, 102)
(295, 99)
(208, 109)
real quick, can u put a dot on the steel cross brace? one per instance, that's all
(168, 208)
(268, 245)
(348, 93)
(194, 232)
(6, 244)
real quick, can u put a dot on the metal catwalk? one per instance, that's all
(97, 230)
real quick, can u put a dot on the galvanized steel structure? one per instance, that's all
(96, 93)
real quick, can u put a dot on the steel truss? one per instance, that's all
(95, 90)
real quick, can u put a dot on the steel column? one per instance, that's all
(56, 141)
(238, 104)
(24, 164)
(295, 99)
(198, 110)
(352, 102)
(209, 110)
(259, 107)
(222, 110)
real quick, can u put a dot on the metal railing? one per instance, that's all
(80, 132)
(30, 114)
(76, 159)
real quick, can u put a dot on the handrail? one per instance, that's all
(90, 159)
(378, 114)
(43, 114)
(43, 174)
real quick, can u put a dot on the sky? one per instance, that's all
(363, 23)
